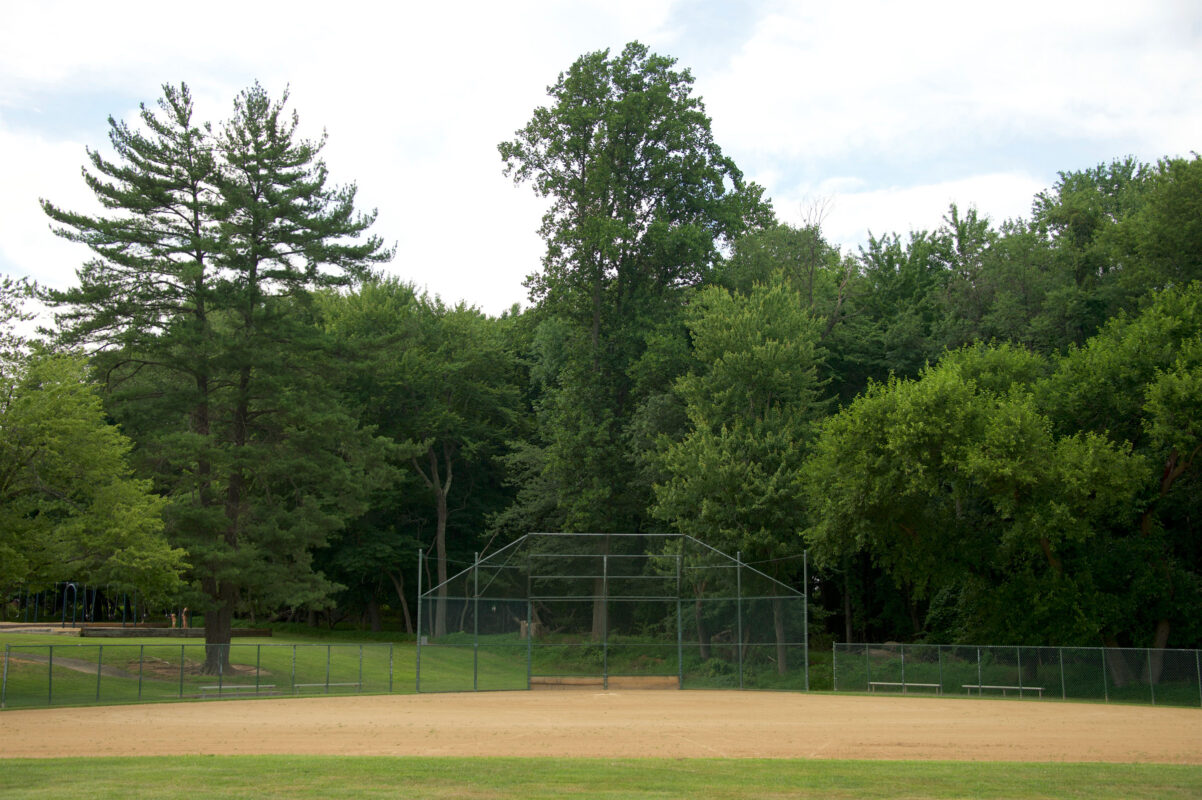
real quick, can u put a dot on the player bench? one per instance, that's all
(296, 687)
(981, 687)
(896, 685)
(235, 688)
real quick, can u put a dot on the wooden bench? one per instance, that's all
(872, 686)
(968, 687)
(235, 688)
(296, 687)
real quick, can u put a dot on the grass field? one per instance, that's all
(371, 777)
(323, 776)
(149, 669)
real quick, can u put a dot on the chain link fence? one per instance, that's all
(1126, 675)
(611, 610)
(84, 674)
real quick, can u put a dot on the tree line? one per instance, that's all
(981, 432)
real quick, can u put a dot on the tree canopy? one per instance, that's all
(985, 430)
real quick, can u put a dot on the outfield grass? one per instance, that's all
(155, 669)
(370, 777)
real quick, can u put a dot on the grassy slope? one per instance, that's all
(324, 777)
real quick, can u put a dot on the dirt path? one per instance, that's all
(671, 724)
(74, 664)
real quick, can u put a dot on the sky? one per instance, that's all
(873, 115)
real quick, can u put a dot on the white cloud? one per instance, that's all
(50, 170)
(908, 79)
(901, 209)
(895, 108)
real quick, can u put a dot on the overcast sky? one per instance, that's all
(887, 111)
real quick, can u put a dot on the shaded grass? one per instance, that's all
(171, 668)
(370, 777)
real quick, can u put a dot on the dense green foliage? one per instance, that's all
(197, 304)
(982, 431)
(70, 507)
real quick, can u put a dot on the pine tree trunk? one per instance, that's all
(703, 636)
(218, 628)
(1155, 666)
(778, 622)
(1116, 660)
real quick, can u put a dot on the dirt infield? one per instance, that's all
(671, 724)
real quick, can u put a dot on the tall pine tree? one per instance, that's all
(197, 304)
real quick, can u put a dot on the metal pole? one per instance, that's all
(476, 623)
(328, 668)
(360, 669)
(939, 654)
(220, 666)
(390, 667)
(4, 680)
(1151, 677)
(903, 668)
(258, 665)
(529, 627)
(805, 618)
(50, 678)
(867, 669)
(418, 655)
(1105, 683)
(181, 669)
(605, 620)
(1063, 692)
(979, 681)
(1018, 659)
(293, 677)
(99, 663)
(739, 611)
(1197, 666)
(141, 661)
(679, 627)
(834, 668)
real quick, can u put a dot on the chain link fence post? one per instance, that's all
(739, 611)
(1063, 691)
(1151, 677)
(476, 624)
(417, 677)
(805, 613)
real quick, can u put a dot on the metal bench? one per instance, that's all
(296, 687)
(980, 687)
(235, 688)
(873, 685)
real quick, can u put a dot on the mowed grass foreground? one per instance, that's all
(370, 777)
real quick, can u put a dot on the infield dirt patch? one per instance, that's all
(673, 724)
